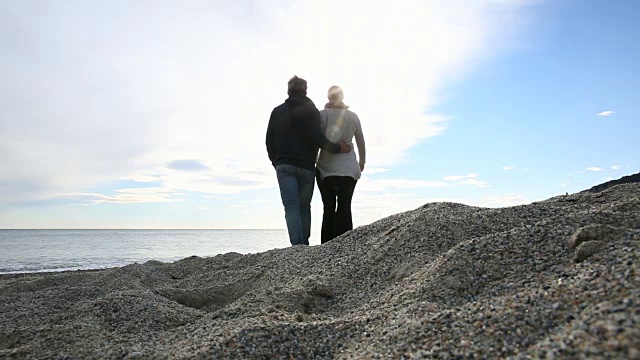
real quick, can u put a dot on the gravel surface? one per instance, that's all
(556, 279)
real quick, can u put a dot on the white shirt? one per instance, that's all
(337, 125)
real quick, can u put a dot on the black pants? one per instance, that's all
(336, 190)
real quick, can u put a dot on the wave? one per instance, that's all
(37, 268)
(33, 267)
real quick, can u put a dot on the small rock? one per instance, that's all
(593, 232)
(586, 249)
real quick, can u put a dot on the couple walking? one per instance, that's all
(295, 133)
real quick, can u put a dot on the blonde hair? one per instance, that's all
(335, 93)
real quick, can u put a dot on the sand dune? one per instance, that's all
(555, 279)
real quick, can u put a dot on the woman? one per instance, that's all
(337, 174)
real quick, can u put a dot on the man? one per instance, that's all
(294, 136)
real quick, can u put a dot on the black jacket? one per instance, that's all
(294, 134)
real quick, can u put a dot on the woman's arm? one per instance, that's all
(362, 152)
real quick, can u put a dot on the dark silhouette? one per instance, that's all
(623, 180)
(294, 135)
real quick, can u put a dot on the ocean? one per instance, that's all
(25, 251)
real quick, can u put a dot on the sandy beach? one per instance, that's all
(557, 279)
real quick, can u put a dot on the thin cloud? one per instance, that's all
(565, 183)
(615, 167)
(223, 198)
(252, 172)
(374, 170)
(126, 196)
(508, 168)
(605, 113)
(594, 168)
(233, 180)
(454, 178)
(497, 201)
(187, 165)
(474, 182)
(149, 190)
(460, 177)
(394, 184)
(142, 178)
(469, 179)
(260, 201)
(255, 203)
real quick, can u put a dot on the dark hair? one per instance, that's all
(297, 86)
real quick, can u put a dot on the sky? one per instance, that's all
(153, 114)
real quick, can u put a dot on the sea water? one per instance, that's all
(24, 251)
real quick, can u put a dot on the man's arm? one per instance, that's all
(269, 140)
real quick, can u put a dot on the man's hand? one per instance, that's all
(361, 168)
(344, 147)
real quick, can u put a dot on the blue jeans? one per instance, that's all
(296, 189)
